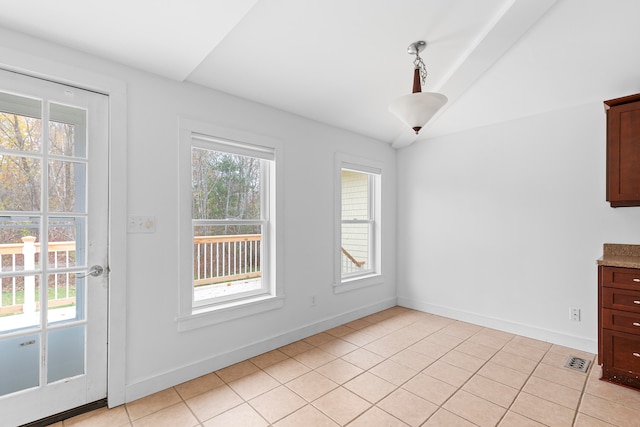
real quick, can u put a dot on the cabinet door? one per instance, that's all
(623, 155)
(621, 358)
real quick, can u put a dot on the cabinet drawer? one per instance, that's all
(622, 278)
(621, 299)
(622, 352)
(624, 321)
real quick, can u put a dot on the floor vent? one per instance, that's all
(577, 363)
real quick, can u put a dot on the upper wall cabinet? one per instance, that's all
(623, 151)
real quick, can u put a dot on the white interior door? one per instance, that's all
(53, 244)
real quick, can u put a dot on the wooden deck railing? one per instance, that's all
(220, 259)
(217, 259)
(349, 263)
(16, 257)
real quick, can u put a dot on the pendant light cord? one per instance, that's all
(418, 63)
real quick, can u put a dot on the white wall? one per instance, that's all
(157, 355)
(502, 225)
(154, 347)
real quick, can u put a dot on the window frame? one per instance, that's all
(373, 275)
(205, 142)
(193, 314)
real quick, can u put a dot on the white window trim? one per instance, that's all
(190, 317)
(374, 276)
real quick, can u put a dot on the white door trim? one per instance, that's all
(49, 69)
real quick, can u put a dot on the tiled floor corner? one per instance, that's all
(398, 367)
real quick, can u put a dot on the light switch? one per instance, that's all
(141, 224)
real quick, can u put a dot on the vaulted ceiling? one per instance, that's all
(341, 62)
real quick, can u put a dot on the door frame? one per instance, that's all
(45, 67)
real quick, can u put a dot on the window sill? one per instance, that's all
(213, 315)
(358, 283)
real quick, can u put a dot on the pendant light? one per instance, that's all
(417, 108)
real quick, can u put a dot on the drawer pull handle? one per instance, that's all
(636, 324)
(636, 302)
(636, 280)
(636, 354)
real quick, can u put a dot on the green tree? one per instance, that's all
(20, 174)
(225, 186)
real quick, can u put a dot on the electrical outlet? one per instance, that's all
(574, 314)
(313, 300)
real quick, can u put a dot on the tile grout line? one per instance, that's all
(521, 389)
(469, 379)
(440, 406)
(476, 372)
(126, 409)
(582, 393)
(400, 386)
(386, 358)
(373, 404)
(247, 401)
(188, 407)
(284, 384)
(389, 330)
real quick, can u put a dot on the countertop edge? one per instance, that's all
(619, 261)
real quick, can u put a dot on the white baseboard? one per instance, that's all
(555, 337)
(180, 374)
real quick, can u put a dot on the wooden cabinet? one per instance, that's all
(619, 324)
(623, 151)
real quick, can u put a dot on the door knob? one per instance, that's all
(95, 271)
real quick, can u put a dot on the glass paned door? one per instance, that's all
(53, 228)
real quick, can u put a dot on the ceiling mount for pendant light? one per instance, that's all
(417, 108)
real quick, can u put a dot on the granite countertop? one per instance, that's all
(615, 255)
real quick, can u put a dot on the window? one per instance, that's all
(358, 215)
(357, 233)
(228, 235)
(230, 222)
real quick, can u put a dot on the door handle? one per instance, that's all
(95, 271)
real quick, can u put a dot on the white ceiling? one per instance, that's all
(341, 62)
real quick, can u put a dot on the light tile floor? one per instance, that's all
(398, 367)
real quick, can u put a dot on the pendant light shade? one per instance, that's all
(417, 108)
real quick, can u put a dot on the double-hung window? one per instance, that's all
(357, 223)
(358, 257)
(228, 240)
